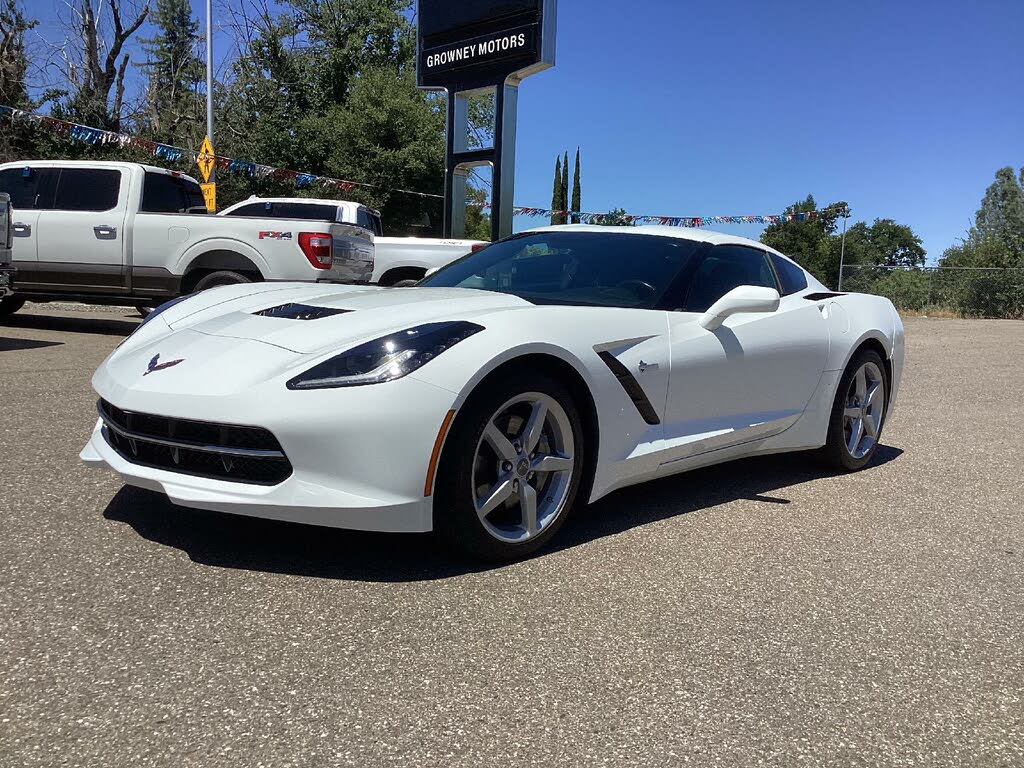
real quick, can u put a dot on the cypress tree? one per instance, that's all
(565, 187)
(556, 193)
(576, 189)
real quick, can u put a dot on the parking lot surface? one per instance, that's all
(763, 612)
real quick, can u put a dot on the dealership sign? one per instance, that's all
(471, 47)
(473, 44)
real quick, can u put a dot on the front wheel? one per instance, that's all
(858, 413)
(511, 468)
(10, 305)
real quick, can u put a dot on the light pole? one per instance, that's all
(842, 247)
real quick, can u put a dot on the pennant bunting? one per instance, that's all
(170, 154)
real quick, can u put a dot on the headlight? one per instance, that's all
(387, 358)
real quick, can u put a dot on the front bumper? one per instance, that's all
(6, 280)
(359, 455)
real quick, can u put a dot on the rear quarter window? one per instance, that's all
(791, 276)
(163, 193)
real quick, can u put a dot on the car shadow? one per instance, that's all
(13, 345)
(232, 541)
(101, 325)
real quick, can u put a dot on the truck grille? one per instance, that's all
(200, 448)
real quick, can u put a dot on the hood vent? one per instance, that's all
(300, 312)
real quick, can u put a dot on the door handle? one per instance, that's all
(22, 230)
(105, 233)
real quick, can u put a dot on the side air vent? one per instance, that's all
(632, 386)
(300, 312)
(822, 296)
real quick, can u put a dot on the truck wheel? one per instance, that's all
(215, 279)
(10, 305)
(404, 283)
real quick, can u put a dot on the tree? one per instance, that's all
(564, 198)
(92, 67)
(174, 107)
(1001, 215)
(13, 55)
(809, 242)
(576, 188)
(616, 217)
(478, 223)
(884, 243)
(556, 194)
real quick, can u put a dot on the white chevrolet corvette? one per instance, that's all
(543, 371)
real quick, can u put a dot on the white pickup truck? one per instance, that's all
(397, 260)
(132, 234)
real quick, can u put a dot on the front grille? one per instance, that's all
(218, 451)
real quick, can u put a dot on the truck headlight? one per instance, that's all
(387, 358)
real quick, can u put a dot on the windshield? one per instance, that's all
(565, 267)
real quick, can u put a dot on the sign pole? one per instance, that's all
(209, 85)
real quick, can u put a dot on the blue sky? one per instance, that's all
(904, 108)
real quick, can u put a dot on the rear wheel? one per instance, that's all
(10, 305)
(858, 413)
(511, 469)
(215, 279)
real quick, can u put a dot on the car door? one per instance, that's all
(81, 238)
(30, 188)
(748, 379)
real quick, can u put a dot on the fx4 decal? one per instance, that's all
(275, 235)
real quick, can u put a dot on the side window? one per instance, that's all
(253, 211)
(87, 189)
(29, 187)
(791, 276)
(308, 211)
(724, 268)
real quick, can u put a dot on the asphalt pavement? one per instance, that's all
(759, 613)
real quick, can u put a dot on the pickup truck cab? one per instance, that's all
(6, 236)
(133, 234)
(397, 260)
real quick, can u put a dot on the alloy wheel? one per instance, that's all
(523, 467)
(864, 410)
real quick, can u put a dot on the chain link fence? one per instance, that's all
(968, 291)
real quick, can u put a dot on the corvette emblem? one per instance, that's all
(155, 365)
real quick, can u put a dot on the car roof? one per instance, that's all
(680, 233)
(101, 164)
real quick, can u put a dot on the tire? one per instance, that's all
(859, 408)
(215, 279)
(472, 468)
(10, 305)
(404, 283)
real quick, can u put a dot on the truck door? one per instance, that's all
(81, 240)
(29, 189)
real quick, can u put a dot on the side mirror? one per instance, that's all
(431, 271)
(743, 298)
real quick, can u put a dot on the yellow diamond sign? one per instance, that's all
(206, 158)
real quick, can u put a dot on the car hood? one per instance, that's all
(347, 313)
